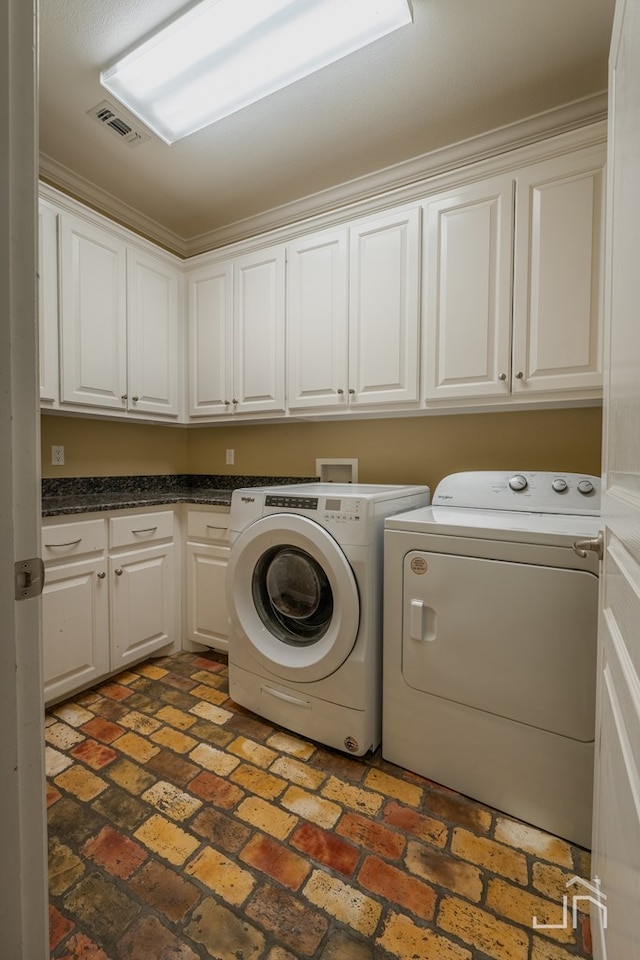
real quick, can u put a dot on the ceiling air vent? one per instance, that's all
(106, 114)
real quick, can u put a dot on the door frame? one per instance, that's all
(23, 877)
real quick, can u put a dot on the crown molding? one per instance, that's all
(363, 194)
(65, 180)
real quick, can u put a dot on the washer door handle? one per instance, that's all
(590, 545)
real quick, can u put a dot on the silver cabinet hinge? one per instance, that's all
(29, 578)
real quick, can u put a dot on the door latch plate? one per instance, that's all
(29, 578)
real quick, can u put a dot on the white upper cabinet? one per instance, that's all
(153, 335)
(468, 236)
(258, 329)
(557, 299)
(353, 314)
(512, 283)
(210, 297)
(318, 320)
(236, 335)
(384, 307)
(48, 301)
(93, 315)
(119, 323)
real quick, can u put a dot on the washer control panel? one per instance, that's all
(539, 492)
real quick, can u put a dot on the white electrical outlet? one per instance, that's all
(231, 454)
(57, 455)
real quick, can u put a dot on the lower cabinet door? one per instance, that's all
(207, 615)
(143, 603)
(75, 626)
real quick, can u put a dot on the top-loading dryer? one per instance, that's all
(304, 590)
(490, 643)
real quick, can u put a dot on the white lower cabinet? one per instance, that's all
(142, 579)
(75, 606)
(207, 556)
(110, 596)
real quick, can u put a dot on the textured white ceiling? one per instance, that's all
(462, 68)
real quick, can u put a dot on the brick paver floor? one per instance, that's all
(182, 826)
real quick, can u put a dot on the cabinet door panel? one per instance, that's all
(207, 612)
(258, 348)
(557, 341)
(75, 627)
(153, 335)
(384, 309)
(317, 320)
(467, 290)
(93, 315)
(142, 603)
(210, 340)
(48, 301)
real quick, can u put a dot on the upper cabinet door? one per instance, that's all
(210, 298)
(384, 306)
(93, 321)
(317, 320)
(48, 301)
(153, 335)
(468, 234)
(258, 348)
(557, 322)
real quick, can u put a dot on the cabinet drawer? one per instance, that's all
(141, 528)
(63, 540)
(208, 524)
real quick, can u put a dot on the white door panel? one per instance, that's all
(616, 837)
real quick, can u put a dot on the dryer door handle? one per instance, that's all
(422, 621)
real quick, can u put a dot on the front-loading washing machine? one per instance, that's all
(304, 589)
(490, 627)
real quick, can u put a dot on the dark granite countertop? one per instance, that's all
(74, 495)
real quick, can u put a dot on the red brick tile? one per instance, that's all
(326, 848)
(115, 691)
(394, 885)
(417, 824)
(53, 795)
(59, 927)
(115, 852)
(216, 789)
(272, 858)
(149, 938)
(227, 833)
(459, 810)
(102, 729)
(374, 836)
(585, 932)
(289, 919)
(80, 947)
(95, 755)
(165, 890)
(203, 664)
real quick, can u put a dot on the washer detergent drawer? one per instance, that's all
(514, 639)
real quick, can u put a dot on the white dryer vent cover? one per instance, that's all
(113, 119)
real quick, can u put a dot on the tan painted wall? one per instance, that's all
(105, 448)
(404, 450)
(410, 449)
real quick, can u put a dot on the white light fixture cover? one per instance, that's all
(222, 55)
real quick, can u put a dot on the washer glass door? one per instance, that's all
(293, 597)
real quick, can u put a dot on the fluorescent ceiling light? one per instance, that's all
(222, 55)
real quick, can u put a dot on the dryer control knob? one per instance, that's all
(518, 482)
(560, 485)
(585, 486)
